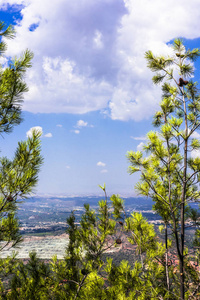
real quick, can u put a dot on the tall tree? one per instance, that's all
(17, 176)
(170, 173)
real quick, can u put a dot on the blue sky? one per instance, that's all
(89, 88)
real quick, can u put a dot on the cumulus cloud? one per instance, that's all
(48, 135)
(76, 131)
(59, 125)
(38, 129)
(81, 123)
(68, 167)
(93, 58)
(104, 171)
(16, 4)
(101, 164)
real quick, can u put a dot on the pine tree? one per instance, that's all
(84, 274)
(18, 176)
(169, 173)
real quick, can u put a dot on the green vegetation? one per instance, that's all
(170, 174)
(161, 267)
(17, 176)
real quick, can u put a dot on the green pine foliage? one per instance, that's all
(83, 274)
(169, 172)
(18, 176)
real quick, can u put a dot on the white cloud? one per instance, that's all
(39, 129)
(104, 171)
(140, 146)
(59, 125)
(60, 79)
(87, 63)
(139, 138)
(101, 164)
(48, 135)
(29, 133)
(68, 167)
(76, 131)
(15, 3)
(81, 123)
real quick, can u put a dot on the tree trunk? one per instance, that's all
(166, 257)
(181, 258)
